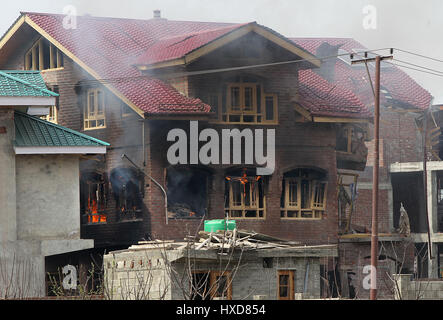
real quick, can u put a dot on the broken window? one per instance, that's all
(187, 190)
(303, 194)
(93, 197)
(43, 55)
(213, 285)
(347, 194)
(244, 195)
(127, 188)
(350, 138)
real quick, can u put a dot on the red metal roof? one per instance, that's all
(171, 48)
(395, 83)
(322, 98)
(112, 46)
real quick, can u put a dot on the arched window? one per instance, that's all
(244, 194)
(303, 194)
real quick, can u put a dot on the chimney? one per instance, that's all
(157, 14)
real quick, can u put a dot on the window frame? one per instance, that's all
(315, 208)
(290, 286)
(209, 286)
(56, 59)
(213, 288)
(54, 108)
(253, 193)
(87, 117)
(226, 111)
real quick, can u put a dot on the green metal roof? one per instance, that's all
(31, 131)
(23, 83)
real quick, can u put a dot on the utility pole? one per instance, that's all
(374, 233)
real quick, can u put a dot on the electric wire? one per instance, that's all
(202, 72)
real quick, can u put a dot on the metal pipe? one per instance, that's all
(155, 181)
(425, 177)
(374, 234)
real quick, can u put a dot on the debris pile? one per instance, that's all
(220, 240)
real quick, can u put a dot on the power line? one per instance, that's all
(208, 71)
(418, 55)
(419, 66)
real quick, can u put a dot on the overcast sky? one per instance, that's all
(413, 25)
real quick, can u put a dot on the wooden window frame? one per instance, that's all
(88, 116)
(349, 131)
(258, 118)
(53, 109)
(213, 287)
(316, 209)
(253, 193)
(56, 59)
(211, 278)
(290, 286)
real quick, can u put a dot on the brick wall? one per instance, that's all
(400, 141)
(297, 145)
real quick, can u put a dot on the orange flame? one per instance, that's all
(94, 217)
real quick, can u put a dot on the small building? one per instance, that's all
(216, 267)
(39, 184)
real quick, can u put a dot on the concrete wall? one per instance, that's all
(22, 270)
(424, 289)
(7, 176)
(48, 197)
(143, 275)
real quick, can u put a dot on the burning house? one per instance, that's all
(160, 77)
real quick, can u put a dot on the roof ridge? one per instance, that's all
(51, 124)
(122, 18)
(7, 75)
(195, 33)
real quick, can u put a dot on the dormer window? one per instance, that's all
(43, 55)
(245, 102)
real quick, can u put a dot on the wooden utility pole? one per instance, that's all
(374, 233)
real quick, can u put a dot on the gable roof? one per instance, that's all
(398, 89)
(109, 48)
(322, 99)
(34, 135)
(183, 48)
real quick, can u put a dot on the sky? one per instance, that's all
(412, 25)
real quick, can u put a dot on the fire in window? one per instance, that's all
(93, 197)
(127, 187)
(244, 194)
(187, 190)
(303, 194)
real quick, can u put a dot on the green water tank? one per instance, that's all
(219, 224)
